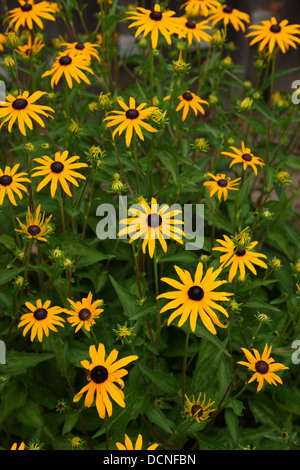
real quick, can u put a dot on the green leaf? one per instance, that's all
(156, 416)
(232, 424)
(12, 398)
(288, 399)
(165, 382)
(128, 300)
(8, 275)
(70, 422)
(18, 362)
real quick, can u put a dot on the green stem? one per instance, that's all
(186, 345)
(136, 166)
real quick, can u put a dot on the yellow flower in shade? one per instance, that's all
(31, 48)
(221, 184)
(154, 21)
(22, 109)
(131, 119)
(10, 182)
(239, 257)
(41, 319)
(86, 50)
(263, 366)
(245, 157)
(229, 15)
(61, 169)
(101, 377)
(138, 444)
(197, 409)
(200, 7)
(71, 66)
(2, 42)
(36, 227)
(189, 100)
(15, 446)
(271, 34)
(29, 13)
(84, 313)
(151, 223)
(191, 30)
(193, 298)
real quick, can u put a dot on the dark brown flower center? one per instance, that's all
(196, 410)
(262, 367)
(222, 182)
(99, 374)
(132, 113)
(187, 96)
(84, 314)
(275, 28)
(247, 157)
(227, 9)
(240, 252)
(19, 103)
(26, 7)
(28, 51)
(156, 15)
(79, 46)
(33, 230)
(65, 60)
(190, 24)
(196, 293)
(154, 220)
(5, 180)
(57, 167)
(40, 314)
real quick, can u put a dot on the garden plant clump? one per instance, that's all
(149, 211)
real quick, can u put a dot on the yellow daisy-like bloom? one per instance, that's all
(2, 41)
(15, 446)
(10, 182)
(41, 319)
(200, 7)
(71, 66)
(151, 223)
(61, 169)
(101, 377)
(263, 366)
(36, 227)
(190, 100)
(193, 298)
(245, 157)
(22, 109)
(193, 30)
(30, 12)
(86, 50)
(221, 184)
(239, 257)
(138, 444)
(197, 409)
(154, 21)
(84, 313)
(131, 119)
(31, 48)
(271, 34)
(228, 14)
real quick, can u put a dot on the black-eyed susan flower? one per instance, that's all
(244, 156)
(36, 226)
(137, 446)
(221, 184)
(61, 169)
(154, 21)
(239, 257)
(189, 100)
(87, 50)
(263, 366)
(23, 109)
(152, 223)
(272, 34)
(29, 13)
(197, 409)
(131, 118)
(41, 319)
(102, 376)
(71, 66)
(15, 446)
(31, 48)
(229, 15)
(200, 7)
(10, 182)
(196, 298)
(194, 31)
(84, 312)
